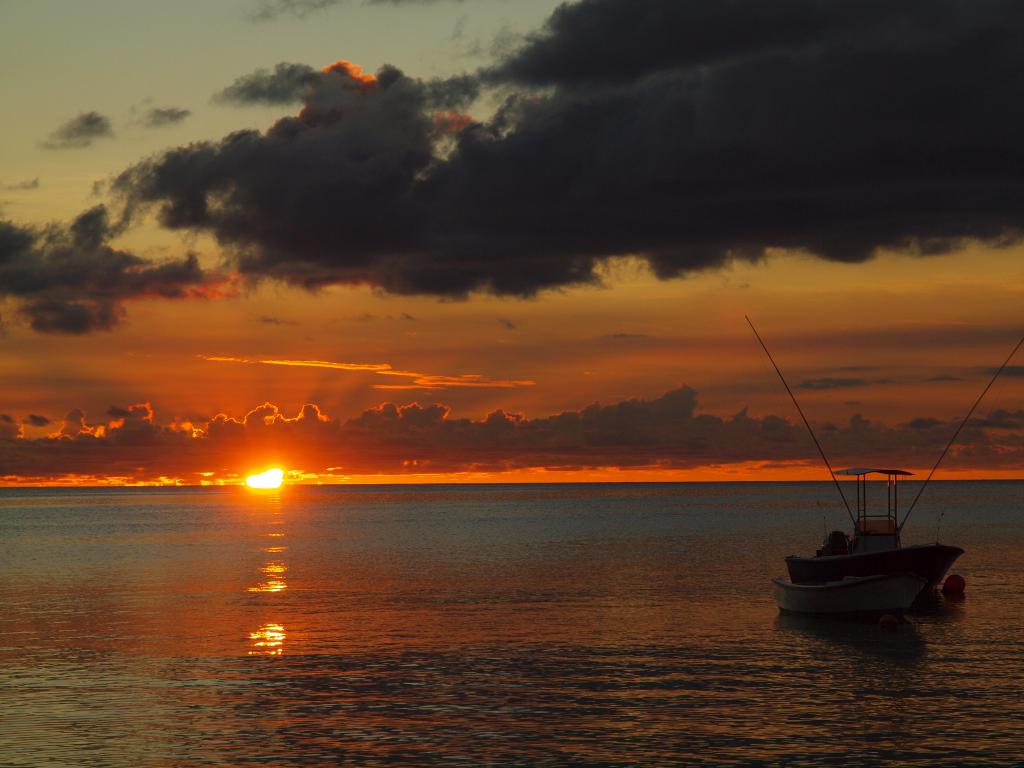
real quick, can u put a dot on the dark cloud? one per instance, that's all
(1001, 419)
(69, 279)
(37, 421)
(666, 432)
(285, 84)
(80, 131)
(628, 337)
(9, 428)
(1014, 371)
(635, 40)
(21, 186)
(924, 423)
(832, 383)
(689, 133)
(270, 320)
(158, 117)
(265, 10)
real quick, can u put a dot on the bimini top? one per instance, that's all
(861, 471)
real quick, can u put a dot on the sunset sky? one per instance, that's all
(507, 240)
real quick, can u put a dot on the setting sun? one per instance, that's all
(271, 478)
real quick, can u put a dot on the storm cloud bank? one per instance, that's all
(687, 132)
(668, 432)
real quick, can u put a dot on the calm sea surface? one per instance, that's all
(583, 625)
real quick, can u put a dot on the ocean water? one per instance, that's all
(582, 625)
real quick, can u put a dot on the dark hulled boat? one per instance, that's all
(875, 546)
(872, 563)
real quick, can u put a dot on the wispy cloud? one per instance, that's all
(468, 380)
(301, 363)
(21, 186)
(158, 117)
(80, 132)
(832, 383)
(417, 379)
(271, 320)
(266, 10)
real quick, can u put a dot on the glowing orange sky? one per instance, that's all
(896, 339)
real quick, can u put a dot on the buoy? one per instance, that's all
(954, 584)
(888, 622)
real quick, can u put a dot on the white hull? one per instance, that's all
(853, 595)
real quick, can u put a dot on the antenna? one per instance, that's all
(957, 433)
(806, 422)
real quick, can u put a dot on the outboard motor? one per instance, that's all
(836, 543)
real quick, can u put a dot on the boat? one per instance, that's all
(875, 547)
(870, 572)
(853, 596)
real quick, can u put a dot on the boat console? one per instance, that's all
(876, 531)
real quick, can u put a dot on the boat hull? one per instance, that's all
(929, 561)
(852, 596)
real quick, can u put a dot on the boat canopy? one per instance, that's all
(876, 524)
(858, 471)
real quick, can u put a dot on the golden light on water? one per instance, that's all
(268, 480)
(268, 639)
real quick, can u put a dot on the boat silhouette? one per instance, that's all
(875, 547)
(870, 572)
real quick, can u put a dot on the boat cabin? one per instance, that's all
(876, 531)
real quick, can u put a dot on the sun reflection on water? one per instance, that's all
(268, 640)
(270, 585)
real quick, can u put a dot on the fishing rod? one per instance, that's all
(957, 433)
(807, 424)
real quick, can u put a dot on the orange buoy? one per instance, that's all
(954, 584)
(888, 622)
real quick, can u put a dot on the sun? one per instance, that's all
(271, 478)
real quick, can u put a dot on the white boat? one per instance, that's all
(851, 596)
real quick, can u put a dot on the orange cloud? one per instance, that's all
(667, 434)
(469, 381)
(451, 122)
(300, 363)
(354, 72)
(419, 380)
